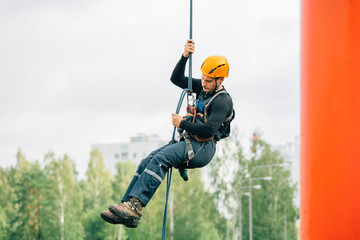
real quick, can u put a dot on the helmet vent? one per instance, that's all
(212, 70)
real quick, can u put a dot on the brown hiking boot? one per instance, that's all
(128, 211)
(113, 219)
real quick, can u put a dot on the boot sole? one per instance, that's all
(127, 223)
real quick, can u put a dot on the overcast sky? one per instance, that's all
(74, 73)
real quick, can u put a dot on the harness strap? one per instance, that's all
(189, 149)
(229, 117)
(199, 139)
(210, 101)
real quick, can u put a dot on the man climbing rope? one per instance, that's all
(203, 126)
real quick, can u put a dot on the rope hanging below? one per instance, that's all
(190, 95)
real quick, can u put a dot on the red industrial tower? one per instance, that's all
(330, 120)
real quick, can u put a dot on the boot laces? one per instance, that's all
(134, 205)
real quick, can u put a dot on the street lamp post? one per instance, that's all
(250, 202)
(240, 207)
(250, 195)
(240, 217)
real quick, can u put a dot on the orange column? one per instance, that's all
(330, 120)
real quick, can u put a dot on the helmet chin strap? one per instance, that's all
(216, 87)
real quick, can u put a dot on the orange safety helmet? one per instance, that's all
(215, 66)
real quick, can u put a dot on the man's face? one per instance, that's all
(208, 83)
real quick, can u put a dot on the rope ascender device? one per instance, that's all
(191, 103)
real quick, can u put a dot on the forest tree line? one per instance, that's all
(45, 199)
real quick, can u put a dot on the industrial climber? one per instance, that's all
(204, 125)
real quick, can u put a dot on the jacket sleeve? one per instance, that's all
(178, 76)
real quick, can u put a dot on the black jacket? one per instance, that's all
(219, 109)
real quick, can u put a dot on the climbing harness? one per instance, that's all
(200, 116)
(228, 119)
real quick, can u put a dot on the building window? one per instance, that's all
(116, 156)
(124, 156)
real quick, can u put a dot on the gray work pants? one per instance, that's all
(152, 170)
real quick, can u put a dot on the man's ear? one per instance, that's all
(220, 80)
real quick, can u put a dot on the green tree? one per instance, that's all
(11, 207)
(96, 228)
(274, 212)
(227, 174)
(97, 194)
(4, 203)
(36, 197)
(30, 182)
(195, 213)
(64, 193)
(124, 173)
(96, 189)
